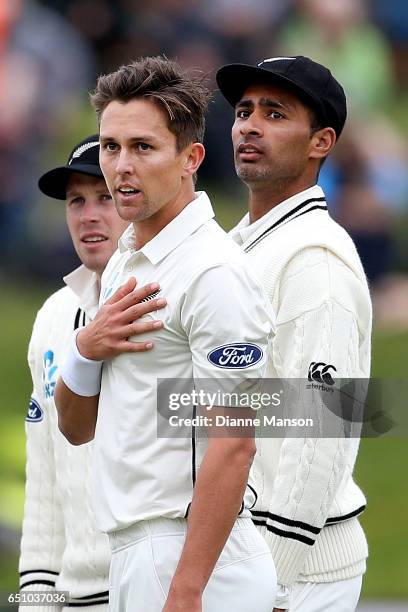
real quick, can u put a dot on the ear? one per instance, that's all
(322, 142)
(193, 156)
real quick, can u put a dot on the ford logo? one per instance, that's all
(235, 355)
(35, 412)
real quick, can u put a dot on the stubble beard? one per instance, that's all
(266, 178)
(252, 174)
(133, 214)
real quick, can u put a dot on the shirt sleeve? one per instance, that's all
(229, 324)
(317, 323)
(43, 538)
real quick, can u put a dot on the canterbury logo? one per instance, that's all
(320, 372)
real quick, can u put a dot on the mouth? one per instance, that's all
(247, 151)
(93, 239)
(128, 191)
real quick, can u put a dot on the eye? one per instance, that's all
(143, 146)
(276, 115)
(106, 197)
(75, 201)
(242, 114)
(110, 146)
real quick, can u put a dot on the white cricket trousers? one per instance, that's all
(145, 557)
(340, 596)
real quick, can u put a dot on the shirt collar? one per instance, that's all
(86, 286)
(193, 216)
(244, 230)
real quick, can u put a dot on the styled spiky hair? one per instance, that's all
(181, 93)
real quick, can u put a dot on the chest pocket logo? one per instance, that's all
(236, 355)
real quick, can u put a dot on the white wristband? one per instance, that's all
(81, 375)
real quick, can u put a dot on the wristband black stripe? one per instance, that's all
(102, 594)
(39, 571)
(281, 220)
(286, 521)
(345, 517)
(30, 582)
(285, 534)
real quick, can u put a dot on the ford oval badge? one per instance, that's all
(236, 355)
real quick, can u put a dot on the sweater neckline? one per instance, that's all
(307, 206)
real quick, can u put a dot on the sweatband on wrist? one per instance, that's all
(81, 375)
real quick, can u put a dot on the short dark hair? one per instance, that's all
(316, 124)
(181, 93)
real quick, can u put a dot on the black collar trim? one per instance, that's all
(289, 216)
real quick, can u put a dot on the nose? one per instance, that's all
(123, 163)
(251, 126)
(90, 212)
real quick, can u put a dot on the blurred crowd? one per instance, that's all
(51, 52)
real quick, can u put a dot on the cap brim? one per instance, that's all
(234, 79)
(54, 183)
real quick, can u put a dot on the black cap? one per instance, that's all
(313, 82)
(84, 158)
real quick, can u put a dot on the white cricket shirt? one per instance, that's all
(217, 324)
(61, 548)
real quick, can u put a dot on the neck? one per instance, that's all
(262, 200)
(98, 281)
(147, 229)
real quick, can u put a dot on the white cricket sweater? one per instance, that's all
(61, 549)
(308, 501)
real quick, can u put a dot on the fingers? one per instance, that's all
(135, 347)
(136, 312)
(127, 346)
(123, 291)
(141, 327)
(127, 296)
(135, 297)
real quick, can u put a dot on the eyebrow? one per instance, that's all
(72, 193)
(144, 138)
(266, 102)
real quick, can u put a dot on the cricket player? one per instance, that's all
(61, 549)
(289, 112)
(176, 509)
